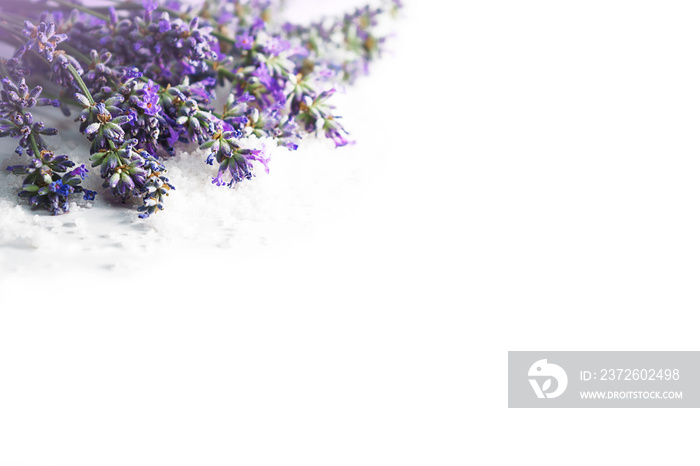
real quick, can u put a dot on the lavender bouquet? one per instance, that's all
(139, 77)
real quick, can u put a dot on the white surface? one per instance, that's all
(536, 189)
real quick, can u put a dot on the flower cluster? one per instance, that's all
(17, 122)
(145, 77)
(345, 45)
(128, 171)
(235, 162)
(44, 40)
(162, 48)
(44, 186)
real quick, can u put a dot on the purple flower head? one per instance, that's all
(218, 179)
(150, 5)
(225, 17)
(164, 24)
(113, 19)
(172, 136)
(336, 136)
(132, 73)
(15, 98)
(43, 38)
(101, 126)
(258, 24)
(326, 73)
(149, 105)
(122, 168)
(240, 165)
(200, 92)
(81, 171)
(60, 69)
(275, 46)
(16, 121)
(245, 42)
(59, 188)
(155, 187)
(263, 74)
(149, 99)
(151, 88)
(43, 186)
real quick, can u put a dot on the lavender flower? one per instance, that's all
(149, 99)
(106, 128)
(43, 38)
(130, 172)
(44, 186)
(161, 47)
(315, 114)
(245, 42)
(155, 188)
(235, 163)
(16, 121)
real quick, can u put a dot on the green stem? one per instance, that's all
(14, 31)
(228, 73)
(223, 38)
(35, 146)
(81, 84)
(75, 52)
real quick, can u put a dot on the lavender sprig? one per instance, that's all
(235, 162)
(44, 186)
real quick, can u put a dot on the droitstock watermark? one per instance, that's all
(604, 379)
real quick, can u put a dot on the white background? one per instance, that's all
(534, 186)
